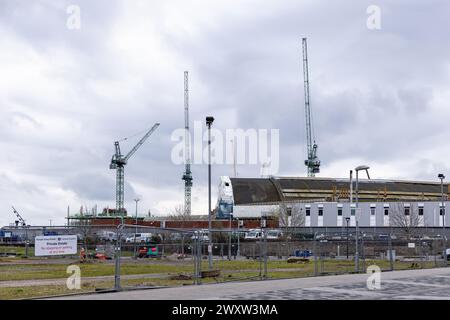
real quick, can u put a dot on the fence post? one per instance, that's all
(391, 260)
(422, 253)
(363, 256)
(279, 251)
(117, 259)
(194, 258)
(265, 255)
(315, 254)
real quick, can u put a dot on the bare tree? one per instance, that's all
(289, 217)
(178, 214)
(84, 227)
(406, 218)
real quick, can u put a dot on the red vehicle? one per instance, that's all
(103, 253)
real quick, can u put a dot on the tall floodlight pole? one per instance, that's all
(444, 254)
(187, 176)
(357, 169)
(209, 121)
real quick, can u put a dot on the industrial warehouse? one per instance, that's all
(323, 202)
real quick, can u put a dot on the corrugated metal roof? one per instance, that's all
(253, 190)
(264, 190)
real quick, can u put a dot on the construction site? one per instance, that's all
(265, 152)
(258, 228)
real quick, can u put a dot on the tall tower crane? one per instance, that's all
(312, 163)
(19, 217)
(118, 162)
(187, 176)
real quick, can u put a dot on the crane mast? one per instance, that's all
(187, 176)
(312, 163)
(118, 162)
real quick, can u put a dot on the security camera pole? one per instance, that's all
(209, 121)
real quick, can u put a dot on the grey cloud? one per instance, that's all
(95, 186)
(373, 93)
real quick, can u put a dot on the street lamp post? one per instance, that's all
(357, 169)
(347, 219)
(444, 254)
(136, 200)
(209, 121)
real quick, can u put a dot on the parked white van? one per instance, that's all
(202, 234)
(106, 235)
(138, 237)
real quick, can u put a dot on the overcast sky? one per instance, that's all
(379, 96)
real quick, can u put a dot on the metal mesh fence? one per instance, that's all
(119, 257)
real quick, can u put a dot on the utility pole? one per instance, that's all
(187, 176)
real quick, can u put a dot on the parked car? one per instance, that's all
(274, 234)
(302, 253)
(367, 236)
(320, 236)
(103, 252)
(302, 236)
(386, 237)
(106, 235)
(253, 234)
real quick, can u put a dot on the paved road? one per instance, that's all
(412, 284)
